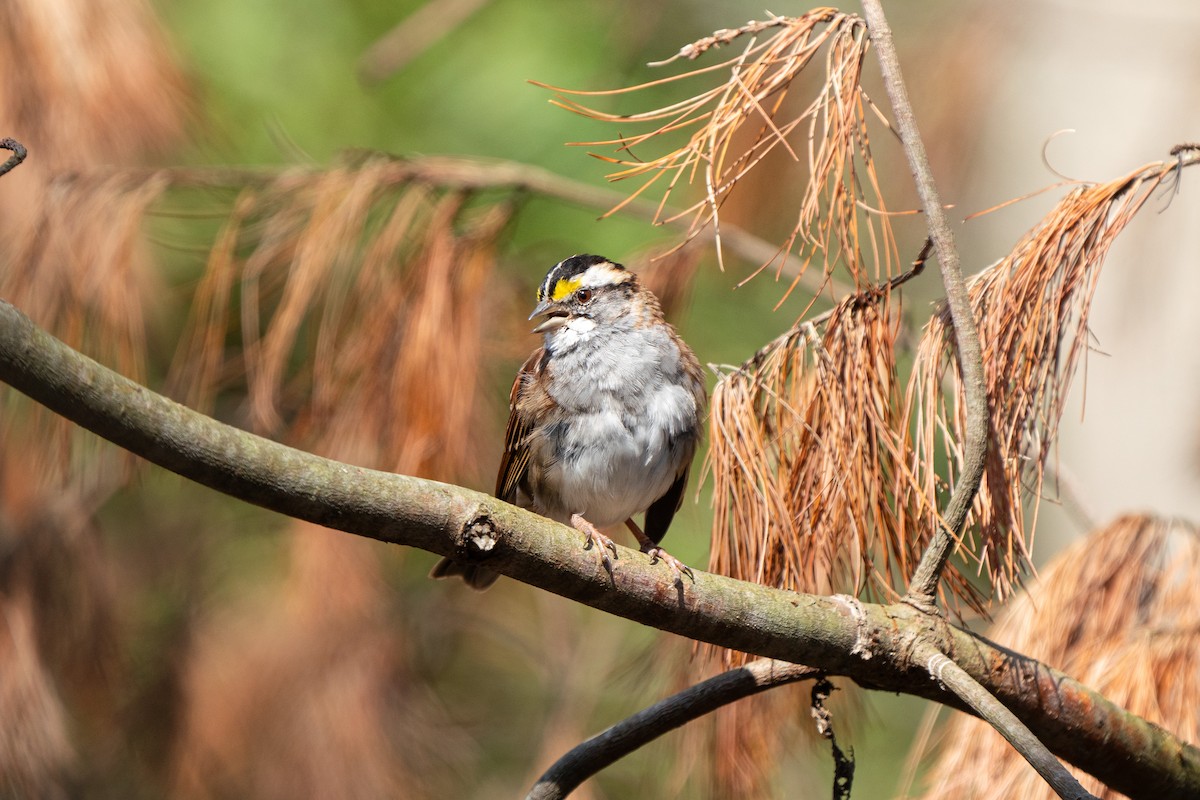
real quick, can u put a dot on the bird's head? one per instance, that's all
(583, 292)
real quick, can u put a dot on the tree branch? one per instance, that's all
(922, 589)
(589, 757)
(981, 701)
(477, 173)
(18, 155)
(866, 642)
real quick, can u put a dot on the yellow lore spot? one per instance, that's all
(564, 287)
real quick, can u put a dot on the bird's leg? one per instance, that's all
(594, 538)
(656, 553)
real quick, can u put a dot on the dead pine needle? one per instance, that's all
(806, 446)
(1032, 308)
(360, 276)
(729, 128)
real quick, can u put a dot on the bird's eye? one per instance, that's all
(583, 296)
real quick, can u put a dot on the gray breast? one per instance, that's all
(632, 426)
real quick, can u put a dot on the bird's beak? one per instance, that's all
(556, 317)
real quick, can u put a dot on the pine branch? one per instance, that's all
(981, 701)
(868, 643)
(476, 173)
(922, 588)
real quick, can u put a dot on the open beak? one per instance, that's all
(556, 317)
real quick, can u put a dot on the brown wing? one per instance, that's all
(514, 463)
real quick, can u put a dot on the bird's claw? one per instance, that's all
(607, 562)
(678, 567)
(592, 537)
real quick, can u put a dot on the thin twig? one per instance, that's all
(18, 155)
(922, 589)
(956, 679)
(589, 757)
(723, 37)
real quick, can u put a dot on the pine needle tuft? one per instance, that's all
(806, 457)
(732, 126)
(1118, 610)
(1032, 309)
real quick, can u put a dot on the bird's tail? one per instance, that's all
(477, 577)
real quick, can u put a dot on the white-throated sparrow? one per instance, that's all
(604, 418)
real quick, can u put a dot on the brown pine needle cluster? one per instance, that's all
(806, 453)
(84, 84)
(1120, 611)
(1032, 310)
(81, 269)
(734, 125)
(371, 284)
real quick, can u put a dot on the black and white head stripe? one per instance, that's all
(582, 270)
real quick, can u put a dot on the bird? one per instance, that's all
(604, 417)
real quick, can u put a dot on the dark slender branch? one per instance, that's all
(983, 703)
(840, 636)
(18, 155)
(922, 589)
(843, 764)
(589, 757)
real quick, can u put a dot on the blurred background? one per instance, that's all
(202, 210)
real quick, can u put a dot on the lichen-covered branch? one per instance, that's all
(868, 643)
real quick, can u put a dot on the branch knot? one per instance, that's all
(477, 538)
(862, 639)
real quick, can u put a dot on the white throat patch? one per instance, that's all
(581, 325)
(575, 331)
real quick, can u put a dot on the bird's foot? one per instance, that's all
(592, 537)
(680, 569)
